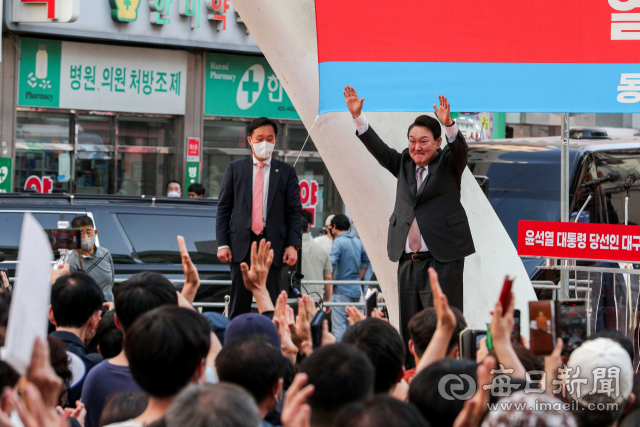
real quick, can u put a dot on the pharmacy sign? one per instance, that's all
(57, 74)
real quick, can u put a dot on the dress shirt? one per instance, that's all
(265, 182)
(362, 125)
(265, 188)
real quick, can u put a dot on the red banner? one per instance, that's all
(579, 240)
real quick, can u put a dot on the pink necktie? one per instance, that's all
(257, 224)
(415, 242)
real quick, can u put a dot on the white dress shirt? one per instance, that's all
(362, 125)
(265, 188)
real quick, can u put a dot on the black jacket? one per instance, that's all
(233, 222)
(74, 345)
(441, 218)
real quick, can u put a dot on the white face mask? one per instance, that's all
(88, 243)
(263, 150)
(173, 194)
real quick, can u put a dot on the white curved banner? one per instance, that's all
(286, 32)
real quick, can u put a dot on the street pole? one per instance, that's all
(564, 196)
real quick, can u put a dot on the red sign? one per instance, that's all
(579, 241)
(193, 147)
(44, 185)
(309, 197)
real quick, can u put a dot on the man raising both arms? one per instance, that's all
(428, 227)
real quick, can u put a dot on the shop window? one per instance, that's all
(43, 158)
(213, 168)
(295, 139)
(145, 132)
(95, 156)
(156, 247)
(225, 134)
(143, 173)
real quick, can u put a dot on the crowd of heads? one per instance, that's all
(265, 370)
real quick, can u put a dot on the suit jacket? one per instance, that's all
(436, 204)
(233, 222)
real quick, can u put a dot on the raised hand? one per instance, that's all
(255, 278)
(354, 104)
(443, 111)
(191, 276)
(354, 315)
(446, 318)
(295, 410)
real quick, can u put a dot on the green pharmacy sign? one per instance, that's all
(124, 10)
(244, 86)
(39, 84)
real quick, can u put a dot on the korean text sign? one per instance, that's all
(244, 86)
(550, 55)
(84, 76)
(579, 240)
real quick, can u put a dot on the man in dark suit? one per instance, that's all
(429, 227)
(259, 199)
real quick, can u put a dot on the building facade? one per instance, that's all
(123, 96)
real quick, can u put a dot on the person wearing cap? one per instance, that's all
(326, 241)
(250, 324)
(316, 265)
(599, 383)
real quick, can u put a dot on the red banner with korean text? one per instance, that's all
(579, 241)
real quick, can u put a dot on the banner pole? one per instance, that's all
(564, 196)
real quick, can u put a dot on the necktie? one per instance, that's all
(414, 232)
(257, 224)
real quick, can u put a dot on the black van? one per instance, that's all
(524, 181)
(140, 232)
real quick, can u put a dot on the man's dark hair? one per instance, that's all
(383, 345)
(140, 293)
(198, 189)
(631, 419)
(340, 374)
(261, 121)
(81, 221)
(252, 363)
(423, 324)
(341, 221)
(617, 336)
(123, 406)
(528, 360)
(381, 411)
(164, 348)
(602, 411)
(173, 181)
(307, 215)
(426, 395)
(108, 337)
(74, 299)
(427, 122)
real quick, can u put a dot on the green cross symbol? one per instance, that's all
(250, 86)
(127, 3)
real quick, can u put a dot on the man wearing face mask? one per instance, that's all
(94, 260)
(174, 189)
(259, 199)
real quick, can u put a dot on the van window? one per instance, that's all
(154, 237)
(11, 226)
(612, 194)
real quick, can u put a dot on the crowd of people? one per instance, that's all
(150, 359)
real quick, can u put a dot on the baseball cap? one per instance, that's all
(600, 361)
(250, 324)
(327, 222)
